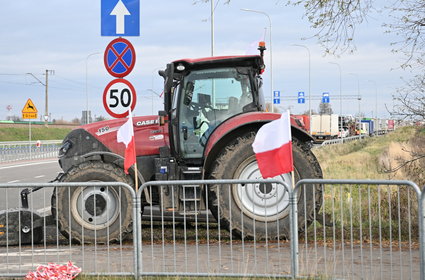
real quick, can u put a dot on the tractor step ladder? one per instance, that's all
(190, 195)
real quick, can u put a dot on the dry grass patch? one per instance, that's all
(363, 159)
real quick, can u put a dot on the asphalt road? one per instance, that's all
(28, 172)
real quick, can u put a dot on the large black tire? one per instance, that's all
(257, 210)
(74, 208)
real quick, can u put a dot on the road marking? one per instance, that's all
(27, 164)
(39, 176)
(14, 181)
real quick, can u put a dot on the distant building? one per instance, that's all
(86, 117)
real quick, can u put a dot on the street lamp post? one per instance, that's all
(309, 80)
(358, 92)
(87, 95)
(340, 95)
(212, 27)
(376, 98)
(271, 52)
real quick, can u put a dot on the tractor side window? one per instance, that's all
(207, 98)
(174, 102)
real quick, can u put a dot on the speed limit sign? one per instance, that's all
(118, 97)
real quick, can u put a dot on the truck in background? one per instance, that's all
(324, 127)
(367, 127)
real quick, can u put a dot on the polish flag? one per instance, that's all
(273, 147)
(125, 135)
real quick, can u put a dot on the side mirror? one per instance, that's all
(188, 93)
(168, 75)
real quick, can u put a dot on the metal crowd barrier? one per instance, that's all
(198, 245)
(363, 229)
(24, 150)
(38, 240)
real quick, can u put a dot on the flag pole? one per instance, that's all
(136, 181)
(136, 171)
(293, 179)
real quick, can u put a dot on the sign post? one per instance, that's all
(29, 112)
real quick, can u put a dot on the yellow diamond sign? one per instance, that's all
(29, 111)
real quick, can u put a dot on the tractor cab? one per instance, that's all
(203, 93)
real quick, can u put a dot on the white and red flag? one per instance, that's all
(273, 147)
(125, 135)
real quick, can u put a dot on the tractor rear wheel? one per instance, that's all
(261, 210)
(93, 214)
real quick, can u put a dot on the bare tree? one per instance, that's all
(408, 22)
(410, 100)
(335, 21)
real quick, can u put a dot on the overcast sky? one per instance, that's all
(64, 36)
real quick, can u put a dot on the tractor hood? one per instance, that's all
(102, 137)
(148, 134)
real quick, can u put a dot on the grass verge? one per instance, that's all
(37, 133)
(366, 212)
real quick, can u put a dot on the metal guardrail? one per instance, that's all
(343, 140)
(12, 151)
(364, 229)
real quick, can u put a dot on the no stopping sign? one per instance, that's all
(118, 97)
(119, 57)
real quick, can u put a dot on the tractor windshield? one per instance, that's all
(207, 98)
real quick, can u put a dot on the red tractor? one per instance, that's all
(213, 108)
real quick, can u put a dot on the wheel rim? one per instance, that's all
(263, 202)
(95, 208)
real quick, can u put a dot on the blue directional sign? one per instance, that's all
(119, 57)
(301, 97)
(276, 100)
(325, 97)
(276, 94)
(120, 17)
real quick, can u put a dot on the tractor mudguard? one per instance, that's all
(241, 124)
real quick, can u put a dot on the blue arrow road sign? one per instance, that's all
(120, 17)
(301, 97)
(276, 100)
(325, 97)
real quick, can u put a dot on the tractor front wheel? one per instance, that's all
(98, 214)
